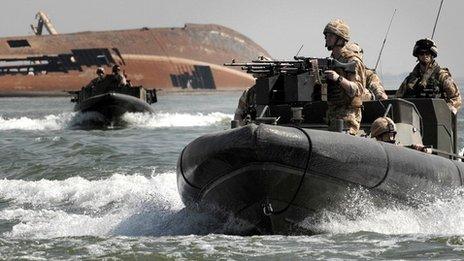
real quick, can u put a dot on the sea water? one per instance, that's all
(68, 193)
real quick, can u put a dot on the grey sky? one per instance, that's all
(279, 26)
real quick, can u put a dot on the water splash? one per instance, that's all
(142, 120)
(160, 120)
(49, 122)
(437, 215)
(120, 205)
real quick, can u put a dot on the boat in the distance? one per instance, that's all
(106, 102)
(283, 169)
(171, 59)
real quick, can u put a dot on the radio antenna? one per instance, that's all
(299, 50)
(384, 40)
(436, 20)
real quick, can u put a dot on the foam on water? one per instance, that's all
(142, 120)
(161, 119)
(119, 205)
(442, 216)
(49, 122)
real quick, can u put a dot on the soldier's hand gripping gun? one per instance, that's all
(319, 65)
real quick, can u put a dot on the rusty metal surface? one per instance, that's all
(152, 57)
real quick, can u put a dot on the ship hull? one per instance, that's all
(171, 59)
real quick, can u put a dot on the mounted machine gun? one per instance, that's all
(294, 83)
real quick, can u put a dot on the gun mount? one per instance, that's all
(294, 82)
(289, 92)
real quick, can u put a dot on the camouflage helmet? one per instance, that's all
(100, 70)
(382, 125)
(425, 45)
(355, 48)
(339, 28)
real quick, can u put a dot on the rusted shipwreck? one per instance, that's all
(161, 58)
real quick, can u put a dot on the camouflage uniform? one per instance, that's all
(433, 81)
(346, 105)
(95, 82)
(247, 100)
(434, 78)
(374, 87)
(119, 79)
(100, 78)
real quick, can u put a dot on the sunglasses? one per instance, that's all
(423, 52)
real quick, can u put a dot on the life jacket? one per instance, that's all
(426, 85)
(337, 95)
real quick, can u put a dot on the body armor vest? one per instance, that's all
(336, 95)
(426, 85)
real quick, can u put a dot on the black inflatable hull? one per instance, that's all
(274, 177)
(111, 106)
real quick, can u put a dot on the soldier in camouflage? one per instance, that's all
(245, 104)
(375, 89)
(117, 76)
(344, 90)
(384, 129)
(428, 79)
(100, 77)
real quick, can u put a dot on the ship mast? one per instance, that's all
(43, 21)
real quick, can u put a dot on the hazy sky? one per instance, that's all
(281, 27)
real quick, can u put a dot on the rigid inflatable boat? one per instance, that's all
(283, 167)
(108, 102)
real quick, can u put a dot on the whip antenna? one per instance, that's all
(384, 40)
(299, 50)
(436, 20)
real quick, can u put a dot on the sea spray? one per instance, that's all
(49, 122)
(438, 214)
(165, 119)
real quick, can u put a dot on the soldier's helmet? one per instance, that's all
(100, 70)
(339, 28)
(382, 125)
(355, 48)
(425, 45)
(116, 68)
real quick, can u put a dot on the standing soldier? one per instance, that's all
(344, 90)
(375, 89)
(428, 79)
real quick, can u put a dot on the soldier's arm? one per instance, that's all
(375, 85)
(402, 90)
(241, 107)
(355, 83)
(451, 90)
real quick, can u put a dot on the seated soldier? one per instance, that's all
(375, 88)
(100, 77)
(384, 129)
(118, 77)
(428, 79)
